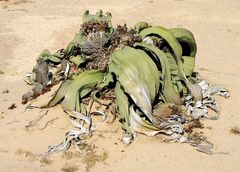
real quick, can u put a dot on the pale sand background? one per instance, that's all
(28, 27)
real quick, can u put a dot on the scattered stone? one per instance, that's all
(27, 97)
(13, 106)
(5, 91)
(2, 115)
(41, 70)
(235, 130)
(37, 89)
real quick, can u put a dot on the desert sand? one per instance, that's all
(28, 27)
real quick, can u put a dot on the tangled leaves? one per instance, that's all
(148, 71)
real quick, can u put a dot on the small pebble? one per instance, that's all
(37, 88)
(5, 91)
(13, 106)
(27, 97)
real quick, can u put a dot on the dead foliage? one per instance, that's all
(192, 125)
(123, 36)
(94, 26)
(100, 43)
(197, 137)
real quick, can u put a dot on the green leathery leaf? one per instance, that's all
(172, 64)
(46, 55)
(166, 35)
(177, 49)
(54, 59)
(70, 48)
(144, 65)
(173, 43)
(77, 60)
(122, 105)
(85, 92)
(176, 80)
(57, 55)
(129, 76)
(86, 79)
(79, 38)
(99, 16)
(188, 65)
(59, 94)
(185, 36)
(78, 103)
(136, 89)
(179, 87)
(108, 78)
(168, 90)
(138, 27)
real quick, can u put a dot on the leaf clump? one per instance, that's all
(146, 73)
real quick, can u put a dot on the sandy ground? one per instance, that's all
(28, 27)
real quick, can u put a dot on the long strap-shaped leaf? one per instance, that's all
(177, 49)
(168, 91)
(188, 65)
(166, 35)
(84, 80)
(46, 55)
(136, 89)
(59, 94)
(171, 40)
(186, 37)
(142, 65)
(122, 107)
(131, 77)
